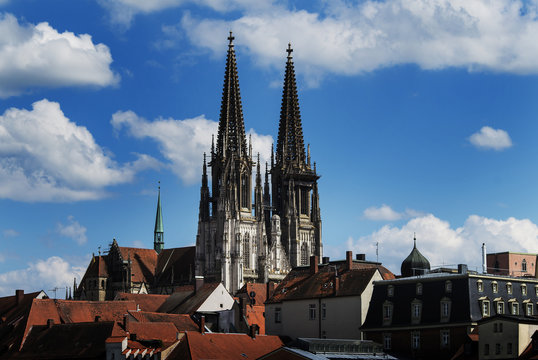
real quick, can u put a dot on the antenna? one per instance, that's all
(377, 251)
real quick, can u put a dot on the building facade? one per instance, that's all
(244, 238)
(511, 263)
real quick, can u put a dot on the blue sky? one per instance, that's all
(421, 117)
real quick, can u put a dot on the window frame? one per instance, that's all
(278, 315)
(524, 289)
(485, 308)
(509, 288)
(387, 341)
(501, 303)
(311, 311)
(494, 287)
(419, 289)
(415, 340)
(445, 338)
(448, 286)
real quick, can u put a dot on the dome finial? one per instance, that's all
(415, 239)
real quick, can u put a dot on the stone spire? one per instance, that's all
(231, 137)
(204, 194)
(290, 144)
(158, 234)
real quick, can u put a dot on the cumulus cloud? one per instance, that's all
(354, 37)
(182, 142)
(34, 56)
(46, 157)
(40, 275)
(72, 230)
(386, 213)
(443, 244)
(489, 138)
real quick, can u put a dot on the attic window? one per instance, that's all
(480, 286)
(419, 289)
(509, 288)
(523, 289)
(494, 287)
(390, 291)
(448, 286)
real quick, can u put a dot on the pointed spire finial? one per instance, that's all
(289, 50)
(414, 239)
(231, 39)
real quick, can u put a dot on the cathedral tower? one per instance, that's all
(294, 180)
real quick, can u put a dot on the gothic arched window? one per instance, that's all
(304, 254)
(245, 198)
(246, 252)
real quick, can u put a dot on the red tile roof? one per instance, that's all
(301, 284)
(260, 291)
(164, 331)
(182, 322)
(188, 301)
(255, 315)
(147, 302)
(143, 263)
(224, 346)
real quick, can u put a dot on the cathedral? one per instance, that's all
(244, 239)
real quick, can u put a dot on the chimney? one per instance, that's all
(462, 269)
(360, 257)
(125, 321)
(270, 289)
(484, 259)
(198, 282)
(253, 329)
(313, 264)
(336, 284)
(50, 322)
(243, 306)
(97, 318)
(349, 260)
(325, 260)
(202, 325)
(19, 295)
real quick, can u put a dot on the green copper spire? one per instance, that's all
(158, 235)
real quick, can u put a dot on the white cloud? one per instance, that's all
(445, 245)
(386, 213)
(73, 230)
(34, 56)
(46, 157)
(7, 233)
(354, 37)
(182, 142)
(41, 275)
(489, 138)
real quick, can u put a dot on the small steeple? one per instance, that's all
(158, 235)
(415, 263)
(290, 144)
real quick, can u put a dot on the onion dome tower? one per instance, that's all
(415, 263)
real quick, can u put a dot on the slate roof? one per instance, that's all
(223, 346)
(175, 262)
(182, 322)
(146, 302)
(301, 284)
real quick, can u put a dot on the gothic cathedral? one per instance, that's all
(241, 239)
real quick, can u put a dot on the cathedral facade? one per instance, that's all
(257, 236)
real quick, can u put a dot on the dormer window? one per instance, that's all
(484, 305)
(390, 291)
(509, 288)
(523, 289)
(419, 289)
(495, 287)
(448, 286)
(480, 286)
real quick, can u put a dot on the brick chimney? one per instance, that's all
(50, 322)
(125, 321)
(253, 329)
(202, 325)
(198, 282)
(336, 284)
(313, 264)
(270, 289)
(19, 295)
(349, 260)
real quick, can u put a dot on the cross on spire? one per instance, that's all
(231, 39)
(289, 50)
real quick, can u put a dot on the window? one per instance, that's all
(495, 328)
(278, 315)
(528, 308)
(387, 313)
(387, 341)
(448, 286)
(445, 338)
(536, 290)
(323, 311)
(500, 327)
(497, 349)
(445, 309)
(102, 283)
(304, 254)
(509, 288)
(390, 291)
(419, 289)
(514, 308)
(495, 287)
(246, 252)
(500, 307)
(312, 311)
(480, 286)
(416, 311)
(485, 307)
(523, 289)
(415, 340)
(509, 348)
(486, 349)
(524, 265)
